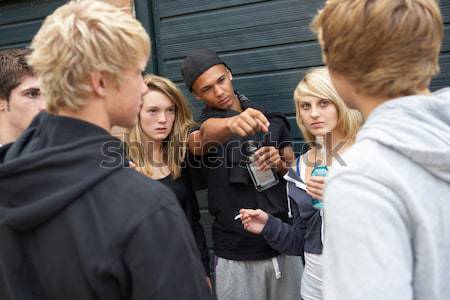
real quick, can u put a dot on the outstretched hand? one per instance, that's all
(248, 122)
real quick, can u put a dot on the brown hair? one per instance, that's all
(175, 146)
(13, 69)
(383, 47)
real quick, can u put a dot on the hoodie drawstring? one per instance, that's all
(276, 268)
(288, 202)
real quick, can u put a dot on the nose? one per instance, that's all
(218, 91)
(162, 118)
(42, 104)
(314, 113)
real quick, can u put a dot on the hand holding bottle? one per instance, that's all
(320, 170)
(315, 186)
(268, 157)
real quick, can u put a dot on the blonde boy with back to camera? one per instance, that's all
(386, 212)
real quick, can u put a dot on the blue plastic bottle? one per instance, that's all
(320, 167)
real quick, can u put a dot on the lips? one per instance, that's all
(317, 124)
(224, 100)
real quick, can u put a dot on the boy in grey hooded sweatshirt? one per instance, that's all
(387, 210)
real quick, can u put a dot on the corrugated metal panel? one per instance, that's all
(20, 20)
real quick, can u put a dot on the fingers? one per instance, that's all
(264, 127)
(208, 282)
(314, 194)
(247, 127)
(267, 157)
(248, 212)
(253, 220)
(249, 122)
(260, 118)
(318, 179)
(315, 186)
(246, 216)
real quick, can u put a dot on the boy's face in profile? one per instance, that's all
(124, 100)
(25, 102)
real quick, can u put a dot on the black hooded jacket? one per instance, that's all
(230, 186)
(76, 224)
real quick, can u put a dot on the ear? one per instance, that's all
(3, 105)
(196, 96)
(335, 75)
(229, 74)
(98, 83)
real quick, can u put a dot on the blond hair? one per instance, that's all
(317, 83)
(79, 38)
(383, 47)
(174, 148)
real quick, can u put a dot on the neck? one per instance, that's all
(94, 112)
(236, 106)
(367, 104)
(8, 133)
(153, 148)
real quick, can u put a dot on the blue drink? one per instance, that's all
(320, 166)
(322, 171)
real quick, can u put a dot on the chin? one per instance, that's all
(159, 136)
(226, 106)
(319, 132)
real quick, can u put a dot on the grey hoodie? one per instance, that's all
(387, 212)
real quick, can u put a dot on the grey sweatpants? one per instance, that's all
(259, 279)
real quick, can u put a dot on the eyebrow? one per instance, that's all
(157, 107)
(205, 87)
(32, 89)
(209, 85)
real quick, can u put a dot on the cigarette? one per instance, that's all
(238, 217)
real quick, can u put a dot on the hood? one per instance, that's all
(417, 127)
(51, 165)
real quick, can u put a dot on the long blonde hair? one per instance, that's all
(174, 147)
(317, 83)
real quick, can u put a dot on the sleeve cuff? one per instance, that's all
(272, 227)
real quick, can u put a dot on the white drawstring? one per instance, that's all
(322, 228)
(276, 267)
(289, 201)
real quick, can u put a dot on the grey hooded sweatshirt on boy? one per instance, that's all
(387, 213)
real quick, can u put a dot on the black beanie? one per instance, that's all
(197, 63)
